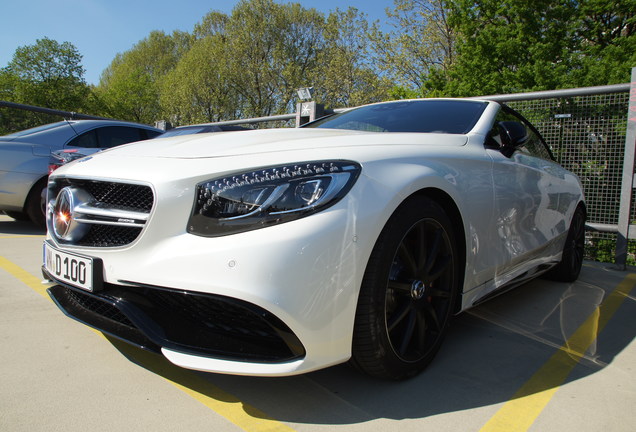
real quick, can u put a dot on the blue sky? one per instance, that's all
(100, 29)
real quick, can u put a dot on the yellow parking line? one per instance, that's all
(234, 410)
(200, 389)
(189, 382)
(24, 276)
(518, 414)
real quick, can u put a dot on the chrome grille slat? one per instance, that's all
(110, 216)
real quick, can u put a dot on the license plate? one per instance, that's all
(77, 270)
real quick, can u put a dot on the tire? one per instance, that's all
(569, 268)
(33, 207)
(408, 292)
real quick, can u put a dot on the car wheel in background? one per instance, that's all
(572, 259)
(33, 206)
(408, 292)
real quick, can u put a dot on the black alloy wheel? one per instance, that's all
(408, 293)
(569, 268)
(34, 207)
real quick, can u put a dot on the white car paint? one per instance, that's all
(308, 272)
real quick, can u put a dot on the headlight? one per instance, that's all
(267, 196)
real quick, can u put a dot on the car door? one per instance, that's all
(529, 202)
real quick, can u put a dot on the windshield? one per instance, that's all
(36, 129)
(424, 116)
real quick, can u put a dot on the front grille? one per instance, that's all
(190, 322)
(105, 228)
(109, 236)
(120, 195)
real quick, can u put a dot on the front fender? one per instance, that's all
(467, 183)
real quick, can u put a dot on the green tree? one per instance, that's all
(607, 35)
(344, 75)
(47, 74)
(197, 90)
(213, 23)
(272, 47)
(129, 89)
(246, 64)
(514, 46)
(47, 60)
(421, 44)
(511, 46)
(129, 93)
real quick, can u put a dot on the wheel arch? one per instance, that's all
(33, 201)
(34, 188)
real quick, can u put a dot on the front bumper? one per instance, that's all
(271, 302)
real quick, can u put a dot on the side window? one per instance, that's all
(113, 136)
(86, 140)
(534, 146)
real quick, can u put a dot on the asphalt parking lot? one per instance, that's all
(544, 357)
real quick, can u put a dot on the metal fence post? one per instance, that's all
(308, 111)
(628, 178)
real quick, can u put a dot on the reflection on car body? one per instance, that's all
(278, 252)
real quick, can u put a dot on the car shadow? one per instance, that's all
(16, 227)
(489, 354)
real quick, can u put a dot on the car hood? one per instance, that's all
(224, 144)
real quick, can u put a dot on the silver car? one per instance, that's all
(24, 158)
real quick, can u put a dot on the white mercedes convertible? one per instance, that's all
(282, 251)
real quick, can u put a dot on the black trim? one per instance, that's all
(514, 283)
(190, 322)
(110, 323)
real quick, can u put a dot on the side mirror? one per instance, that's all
(513, 134)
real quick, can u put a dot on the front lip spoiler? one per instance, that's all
(119, 330)
(195, 324)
